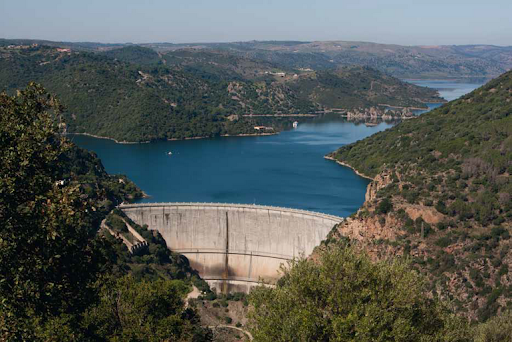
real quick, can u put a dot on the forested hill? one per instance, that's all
(434, 62)
(127, 101)
(130, 102)
(134, 54)
(442, 194)
(360, 87)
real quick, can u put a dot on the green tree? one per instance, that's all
(54, 267)
(344, 296)
(497, 329)
(385, 206)
(131, 310)
(49, 254)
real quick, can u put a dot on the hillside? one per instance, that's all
(441, 193)
(58, 274)
(443, 61)
(439, 61)
(130, 102)
(208, 95)
(359, 87)
(134, 54)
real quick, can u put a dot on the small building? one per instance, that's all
(263, 128)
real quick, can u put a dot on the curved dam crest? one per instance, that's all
(234, 246)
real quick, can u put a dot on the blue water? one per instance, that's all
(283, 170)
(449, 90)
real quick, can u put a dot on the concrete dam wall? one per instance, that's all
(234, 246)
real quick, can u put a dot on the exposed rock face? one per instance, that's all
(379, 182)
(384, 235)
(379, 113)
(429, 214)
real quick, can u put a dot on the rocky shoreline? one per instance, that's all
(349, 166)
(379, 113)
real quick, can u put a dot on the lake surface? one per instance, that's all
(449, 90)
(285, 170)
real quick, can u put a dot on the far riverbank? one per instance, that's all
(173, 139)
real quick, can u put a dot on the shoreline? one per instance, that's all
(172, 139)
(283, 115)
(108, 138)
(226, 135)
(350, 167)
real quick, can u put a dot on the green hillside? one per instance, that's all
(130, 102)
(351, 87)
(443, 191)
(197, 95)
(134, 54)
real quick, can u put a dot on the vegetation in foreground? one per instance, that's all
(344, 296)
(56, 280)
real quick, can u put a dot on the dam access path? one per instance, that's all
(234, 246)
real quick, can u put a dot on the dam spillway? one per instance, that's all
(234, 246)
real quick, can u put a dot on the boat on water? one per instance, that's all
(295, 124)
(169, 153)
(371, 124)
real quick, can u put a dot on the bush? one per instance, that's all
(385, 206)
(497, 329)
(342, 296)
(444, 241)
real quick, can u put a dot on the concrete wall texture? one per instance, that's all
(234, 246)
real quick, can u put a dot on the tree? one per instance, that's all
(497, 329)
(131, 310)
(384, 207)
(344, 296)
(54, 268)
(49, 254)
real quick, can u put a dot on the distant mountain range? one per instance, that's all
(133, 93)
(443, 61)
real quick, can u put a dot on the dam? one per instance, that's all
(234, 246)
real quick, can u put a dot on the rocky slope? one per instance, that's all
(441, 195)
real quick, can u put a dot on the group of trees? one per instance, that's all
(342, 295)
(55, 270)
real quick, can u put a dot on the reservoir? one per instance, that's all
(285, 170)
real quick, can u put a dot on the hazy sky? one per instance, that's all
(411, 22)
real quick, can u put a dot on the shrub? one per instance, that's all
(342, 296)
(444, 241)
(497, 329)
(385, 206)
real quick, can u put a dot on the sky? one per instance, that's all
(411, 22)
